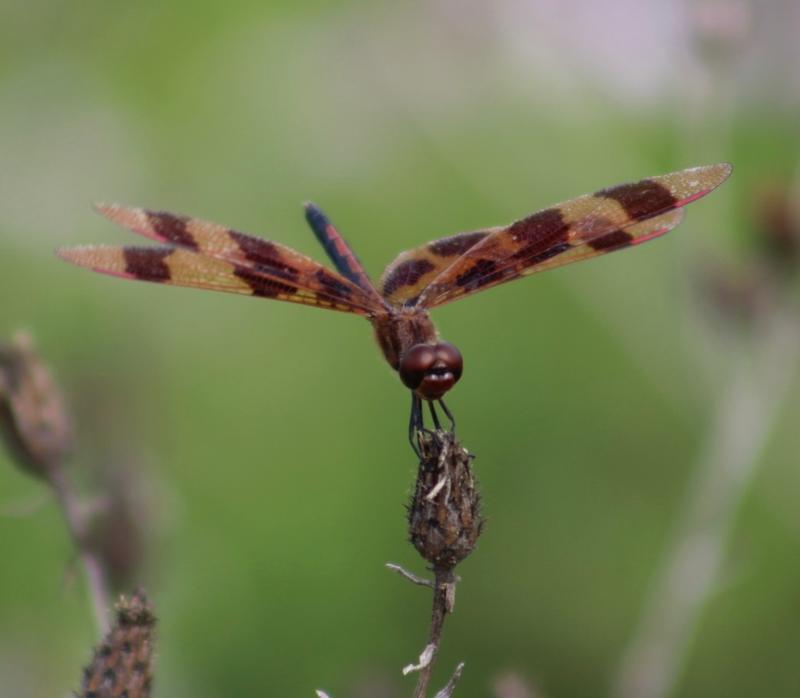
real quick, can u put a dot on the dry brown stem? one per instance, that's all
(443, 594)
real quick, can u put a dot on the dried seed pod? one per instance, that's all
(33, 418)
(122, 663)
(444, 514)
(777, 221)
(736, 295)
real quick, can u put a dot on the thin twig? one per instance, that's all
(447, 691)
(410, 576)
(442, 593)
(78, 528)
(653, 663)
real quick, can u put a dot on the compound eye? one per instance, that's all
(451, 357)
(415, 364)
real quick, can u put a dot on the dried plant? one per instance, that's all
(33, 418)
(122, 665)
(756, 316)
(444, 522)
(37, 428)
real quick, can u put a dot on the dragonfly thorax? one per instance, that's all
(411, 345)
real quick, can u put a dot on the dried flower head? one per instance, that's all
(122, 663)
(734, 295)
(33, 419)
(777, 214)
(745, 293)
(444, 514)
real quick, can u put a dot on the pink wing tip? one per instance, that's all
(709, 178)
(65, 253)
(717, 173)
(723, 170)
(113, 212)
(75, 255)
(96, 258)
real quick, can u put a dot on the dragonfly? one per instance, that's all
(205, 255)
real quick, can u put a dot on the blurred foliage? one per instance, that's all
(273, 437)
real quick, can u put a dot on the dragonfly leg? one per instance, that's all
(415, 424)
(434, 416)
(449, 415)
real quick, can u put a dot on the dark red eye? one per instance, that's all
(416, 362)
(450, 357)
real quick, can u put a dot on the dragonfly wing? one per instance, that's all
(263, 258)
(181, 267)
(590, 225)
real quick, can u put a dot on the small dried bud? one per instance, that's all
(122, 663)
(778, 227)
(736, 296)
(444, 515)
(33, 419)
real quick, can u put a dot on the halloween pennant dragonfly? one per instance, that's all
(207, 255)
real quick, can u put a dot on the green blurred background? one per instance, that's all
(264, 443)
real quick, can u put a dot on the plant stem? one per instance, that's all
(78, 528)
(654, 660)
(442, 604)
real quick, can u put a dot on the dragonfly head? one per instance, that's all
(430, 370)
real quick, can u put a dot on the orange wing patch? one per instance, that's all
(585, 227)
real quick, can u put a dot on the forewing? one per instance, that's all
(262, 258)
(585, 227)
(181, 267)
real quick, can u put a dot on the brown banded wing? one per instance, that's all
(174, 266)
(206, 255)
(585, 227)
